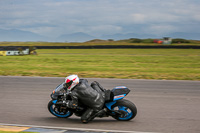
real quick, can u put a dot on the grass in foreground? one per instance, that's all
(178, 64)
(15, 132)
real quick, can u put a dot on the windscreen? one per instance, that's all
(60, 88)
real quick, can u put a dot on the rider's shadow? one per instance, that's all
(74, 120)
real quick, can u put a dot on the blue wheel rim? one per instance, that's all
(125, 109)
(56, 113)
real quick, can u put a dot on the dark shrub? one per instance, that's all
(180, 40)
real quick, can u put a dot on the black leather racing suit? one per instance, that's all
(91, 96)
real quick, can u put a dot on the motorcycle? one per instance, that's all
(115, 105)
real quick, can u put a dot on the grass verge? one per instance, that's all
(173, 64)
(15, 132)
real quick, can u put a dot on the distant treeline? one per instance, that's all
(176, 40)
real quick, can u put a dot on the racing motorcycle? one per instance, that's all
(114, 106)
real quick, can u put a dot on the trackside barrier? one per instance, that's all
(3, 48)
(120, 47)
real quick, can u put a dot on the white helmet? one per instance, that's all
(71, 81)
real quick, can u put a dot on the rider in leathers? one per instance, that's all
(91, 96)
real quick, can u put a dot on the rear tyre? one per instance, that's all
(126, 108)
(58, 110)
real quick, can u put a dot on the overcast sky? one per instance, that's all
(97, 17)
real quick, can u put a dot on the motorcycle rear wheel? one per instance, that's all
(126, 108)
(54, 110)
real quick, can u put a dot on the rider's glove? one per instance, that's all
(71, 105)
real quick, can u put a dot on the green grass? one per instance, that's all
(178, 64)
(15, 132)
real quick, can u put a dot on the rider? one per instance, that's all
(92, 96)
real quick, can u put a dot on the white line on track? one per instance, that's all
(69, 128)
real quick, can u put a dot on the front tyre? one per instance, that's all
(126, 108)
(58, 110)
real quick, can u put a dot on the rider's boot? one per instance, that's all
(90, 114)
(86, 115)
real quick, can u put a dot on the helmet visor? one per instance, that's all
(69, 83)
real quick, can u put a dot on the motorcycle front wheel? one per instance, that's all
(58, 110)
(126, 108)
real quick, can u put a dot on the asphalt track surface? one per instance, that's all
(165, 106)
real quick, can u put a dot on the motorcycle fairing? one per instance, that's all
(119, 90)
(118, 97)
(110, 104)
(59, 91)
(59, 88)
(116, 93)
(54, 101)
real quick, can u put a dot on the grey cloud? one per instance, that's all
(55, 17)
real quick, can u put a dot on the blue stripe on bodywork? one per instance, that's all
(118, 97)
(108, 105)
(54, 101)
